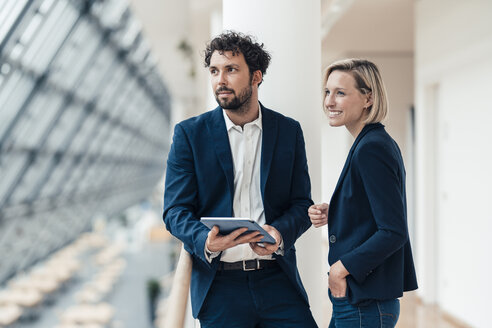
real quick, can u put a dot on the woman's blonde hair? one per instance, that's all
(368, 81)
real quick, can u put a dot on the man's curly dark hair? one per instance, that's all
(256, 57)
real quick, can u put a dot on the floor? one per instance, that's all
(129, 296)
(414, 314)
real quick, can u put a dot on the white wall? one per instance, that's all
(166, 23)
(206, 24)
(454, 156)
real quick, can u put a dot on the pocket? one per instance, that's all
(336, 299)
(389, 312)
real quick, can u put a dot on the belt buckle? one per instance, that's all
(253, 268)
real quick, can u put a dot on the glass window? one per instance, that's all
(141, 52)
(86, 132)
(64, 128)
(100, 137)
(70, 63)
(9, 11)
(33, 124)
(128, 35)
(54, 30)
(57, 149)
(98, 74)
(32, 28)
(35, 171)
(110, 12)
(112, 89)
(10, 166)
(12, 95)
(50, 189)
(75, 175)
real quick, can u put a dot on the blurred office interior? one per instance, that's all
(90, 91)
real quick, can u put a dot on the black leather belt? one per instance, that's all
(249, 265)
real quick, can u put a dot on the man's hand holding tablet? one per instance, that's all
(229, 232)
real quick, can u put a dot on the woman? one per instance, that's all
(370, 258)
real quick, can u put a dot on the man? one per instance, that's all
(240, 160)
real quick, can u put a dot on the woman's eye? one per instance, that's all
(340, 93)
(327, 92)
(232, 69)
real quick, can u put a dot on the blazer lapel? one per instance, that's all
(217, 129)
(269, 139)
(364, 131)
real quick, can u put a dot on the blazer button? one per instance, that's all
(333, 239)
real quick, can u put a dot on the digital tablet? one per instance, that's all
(228, 225)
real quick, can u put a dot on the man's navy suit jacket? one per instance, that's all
(200, 183)
(367, 219)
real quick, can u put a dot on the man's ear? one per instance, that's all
(257, 77)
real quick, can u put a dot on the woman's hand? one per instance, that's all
(337, 281)
(318, 213)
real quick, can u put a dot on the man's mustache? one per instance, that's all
(221, 89)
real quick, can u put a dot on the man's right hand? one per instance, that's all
(218, 243)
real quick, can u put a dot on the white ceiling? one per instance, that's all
(372, 26)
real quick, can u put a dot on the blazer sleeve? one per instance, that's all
(180, 196)
(295, 220)
(381, 176)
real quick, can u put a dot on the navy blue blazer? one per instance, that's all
(367, 219)
(200, 183)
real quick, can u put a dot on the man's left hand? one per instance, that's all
(268, 248)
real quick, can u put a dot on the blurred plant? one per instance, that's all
(187, 50)
(123, 219)
(153, 293)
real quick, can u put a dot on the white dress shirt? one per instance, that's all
(245, 145)
(246, 156)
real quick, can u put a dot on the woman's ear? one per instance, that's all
(369, 100)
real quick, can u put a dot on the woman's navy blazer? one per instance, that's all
(367, 220)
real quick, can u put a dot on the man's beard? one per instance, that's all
(237, 102)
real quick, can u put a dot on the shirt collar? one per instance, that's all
(230, 125)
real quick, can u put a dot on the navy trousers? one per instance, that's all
(254, 299)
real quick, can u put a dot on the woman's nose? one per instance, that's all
(329, 100)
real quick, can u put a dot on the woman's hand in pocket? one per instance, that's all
(337, 281)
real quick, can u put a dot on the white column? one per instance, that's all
(215, 29)
(291, 31)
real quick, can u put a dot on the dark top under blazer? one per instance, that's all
(200, 183)
(367, 222)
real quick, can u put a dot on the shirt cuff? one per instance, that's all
(210, 255)
(280, 249)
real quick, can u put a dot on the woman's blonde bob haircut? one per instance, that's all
(368, 81)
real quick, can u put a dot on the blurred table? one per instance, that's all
(88, 314)
(24, 298)
(9, 314)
